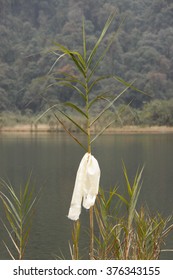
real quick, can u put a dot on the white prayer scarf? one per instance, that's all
(86, 186)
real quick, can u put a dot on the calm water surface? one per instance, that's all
(53, 160)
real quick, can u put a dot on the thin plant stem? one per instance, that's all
(91, 220)
(91, 253)
(75, 236)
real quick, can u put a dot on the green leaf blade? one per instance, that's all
(107, 24)
(69, 133)
(73, 121)
(75, 107)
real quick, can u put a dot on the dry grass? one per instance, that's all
(112, 130)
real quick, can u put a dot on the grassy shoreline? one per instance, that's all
(113, 130)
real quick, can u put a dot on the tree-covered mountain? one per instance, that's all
(143, 49)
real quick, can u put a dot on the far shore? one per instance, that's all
(26, 128)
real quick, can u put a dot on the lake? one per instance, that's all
(53, 160)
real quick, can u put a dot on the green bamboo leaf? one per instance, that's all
(99, 219)
(69, 133)
(15, 226)
(71, 79)
(29, 203)
(155, 227)
(75, 56)
(110, 198)
(61, 48)
(29, 211)
(127, 84)
(25, 239)
(64, 83)
(127, 180)
(72, 120)
(26, 200)
(80, 59)
(11, 237)
(98, 97)
(96, 81)
(95, 99)
(102, 131)
(26, 194)
(84, 39)
(167, 230)
(11, 208)
(132, 207)
(102, 97)
(13, 220)
(72, 105)
(110, 104)
(123, 199)
(18, 213)
(137, 179)
(97, 63)
(80, 67)
(11, 191)
(53, 65)
(135, 190)
(107, 24)
(8, 250)
(45, 112)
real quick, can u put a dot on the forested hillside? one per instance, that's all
(143, 49)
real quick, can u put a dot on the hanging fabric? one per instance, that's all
(86, 186)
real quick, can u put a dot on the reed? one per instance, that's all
(128, 233)
(19, 210)
(84, 84)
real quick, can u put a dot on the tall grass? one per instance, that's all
(136, 234)
(125, 230)
(19, 210)
(84, 84)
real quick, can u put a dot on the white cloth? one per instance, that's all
(86, 186)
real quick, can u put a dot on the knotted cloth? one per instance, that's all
(86, 186)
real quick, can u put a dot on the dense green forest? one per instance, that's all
(143, 50)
